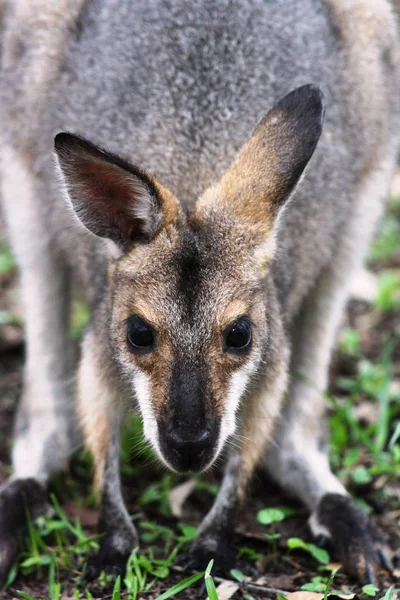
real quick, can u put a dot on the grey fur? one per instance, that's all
(177, 88)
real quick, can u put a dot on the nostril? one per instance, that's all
(190, 443)
(203, 439)
(174, 439)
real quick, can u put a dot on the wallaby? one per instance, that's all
(216, 262)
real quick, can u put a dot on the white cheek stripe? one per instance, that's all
(141, 385)
(142, 390)
(238, 384)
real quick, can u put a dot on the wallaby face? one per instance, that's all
(188, 319)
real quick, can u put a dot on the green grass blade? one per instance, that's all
(209, 581)
(179, 587)
(383, 423)
(395, 437)
(116, 595)
(52, 577)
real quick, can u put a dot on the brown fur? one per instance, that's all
(96, 418)
(144, 285)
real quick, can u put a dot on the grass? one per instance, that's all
(360, 451)
(365, 453)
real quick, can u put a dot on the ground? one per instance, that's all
(274, 548)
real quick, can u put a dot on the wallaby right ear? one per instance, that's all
(112, 198)
(270, 164)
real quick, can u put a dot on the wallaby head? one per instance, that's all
(188, 317)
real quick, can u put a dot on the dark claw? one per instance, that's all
(354, 540)
(95, 567)
(202, 589)
(186, 562)
(385, 559)
(370, 573)
(89, 574)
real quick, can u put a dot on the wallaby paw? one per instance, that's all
(18, 498)
(113, 566)
(341, 526)
(212, 546)
(115, 550)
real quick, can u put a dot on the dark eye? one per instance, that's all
(238, 336)
(140, 335)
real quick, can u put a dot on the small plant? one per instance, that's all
(238, 575)
(317, 584)
(319, 554)
(248, 552)
(271, 516)
(370, 590)
(389, 594)
(361, 475)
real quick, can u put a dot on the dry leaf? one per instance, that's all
(396, 573)
(333, 565)
(227, 589)
(178, 496)
(305, 596)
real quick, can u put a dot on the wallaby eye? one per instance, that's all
(237, 337)
(140, 335)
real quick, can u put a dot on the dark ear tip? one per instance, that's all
(315, 97)
(311, 90)
(65, 142)
(61, 140)
(308, 98)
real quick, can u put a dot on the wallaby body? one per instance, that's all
(177, 89)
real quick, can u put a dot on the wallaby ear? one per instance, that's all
(112, 198)
(269, 166)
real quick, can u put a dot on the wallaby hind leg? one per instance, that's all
(298, 461)
(44, 423)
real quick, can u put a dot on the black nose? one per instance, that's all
(189, 451)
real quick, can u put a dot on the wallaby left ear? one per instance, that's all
(269, 166)
(112, 198)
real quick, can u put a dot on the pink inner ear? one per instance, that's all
(111, 195)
